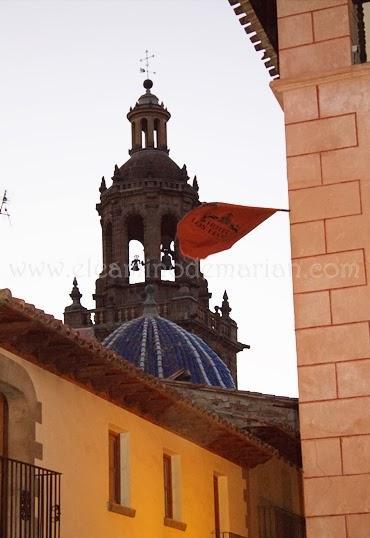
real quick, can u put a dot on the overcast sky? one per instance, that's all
(70, 72)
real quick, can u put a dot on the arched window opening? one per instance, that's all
(168, 250)
(156, 133)
(168, 262)
(144, 133)
(4, 414)
(137, 263)
(108, 243)
(136, 252)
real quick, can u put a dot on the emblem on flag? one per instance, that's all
(216, 226)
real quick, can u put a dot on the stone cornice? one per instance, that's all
(280, 86)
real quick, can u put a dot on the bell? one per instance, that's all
(167, 261)
(135, 264)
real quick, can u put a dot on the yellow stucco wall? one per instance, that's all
(74, 435)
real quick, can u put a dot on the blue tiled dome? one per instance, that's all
(161, 348)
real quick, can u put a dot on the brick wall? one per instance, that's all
(326, 102)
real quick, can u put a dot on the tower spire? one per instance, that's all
(225, 307)
(103, 185)
(75, 314)
(75, 294)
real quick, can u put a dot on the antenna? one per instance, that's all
(146, 60)
(3, 205)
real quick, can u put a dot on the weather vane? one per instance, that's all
(146, 60)
(3, 208)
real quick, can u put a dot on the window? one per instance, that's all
(167, 482)
(221, 505)
(114, 468)
(172, 491)
(216, 500)
(120, 474)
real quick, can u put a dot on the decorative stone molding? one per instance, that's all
(287, 84)
(24, 410)
(179, 525)
(120, 509)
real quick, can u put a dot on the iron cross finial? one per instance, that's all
(146, 60)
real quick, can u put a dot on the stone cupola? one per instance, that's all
(148, 121)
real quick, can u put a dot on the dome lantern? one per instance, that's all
(148, 121)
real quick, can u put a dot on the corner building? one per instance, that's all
(320, 49)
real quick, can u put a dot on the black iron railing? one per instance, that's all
(360, 34)
(275, 522)
(29, 501)
(225, 534)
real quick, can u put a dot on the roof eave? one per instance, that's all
(41, 339)
(257, 34)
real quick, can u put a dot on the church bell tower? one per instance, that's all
(139, 213)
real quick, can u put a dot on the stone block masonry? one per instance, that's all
(326, 103)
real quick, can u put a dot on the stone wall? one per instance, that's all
(326, 102)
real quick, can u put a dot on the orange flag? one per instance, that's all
(216, 226)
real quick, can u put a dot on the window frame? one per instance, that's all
(216, 506)
(172, 485)
(168, 486)
(119, 487)
(114, 447)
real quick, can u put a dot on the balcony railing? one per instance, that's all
(29, 501)
(177, 312)
(275, 522)
(225, 534)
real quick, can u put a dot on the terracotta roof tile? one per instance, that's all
(97, 369)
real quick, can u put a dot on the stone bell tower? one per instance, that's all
(139, 213)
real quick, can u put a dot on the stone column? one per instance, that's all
(152, 241)
(150, 137)
(326, 102)
(120, 245)
(136, 143)
(162, 137)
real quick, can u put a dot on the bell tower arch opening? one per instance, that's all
(156, 132)
(168, 248)
(136, 250)
(144, 132)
